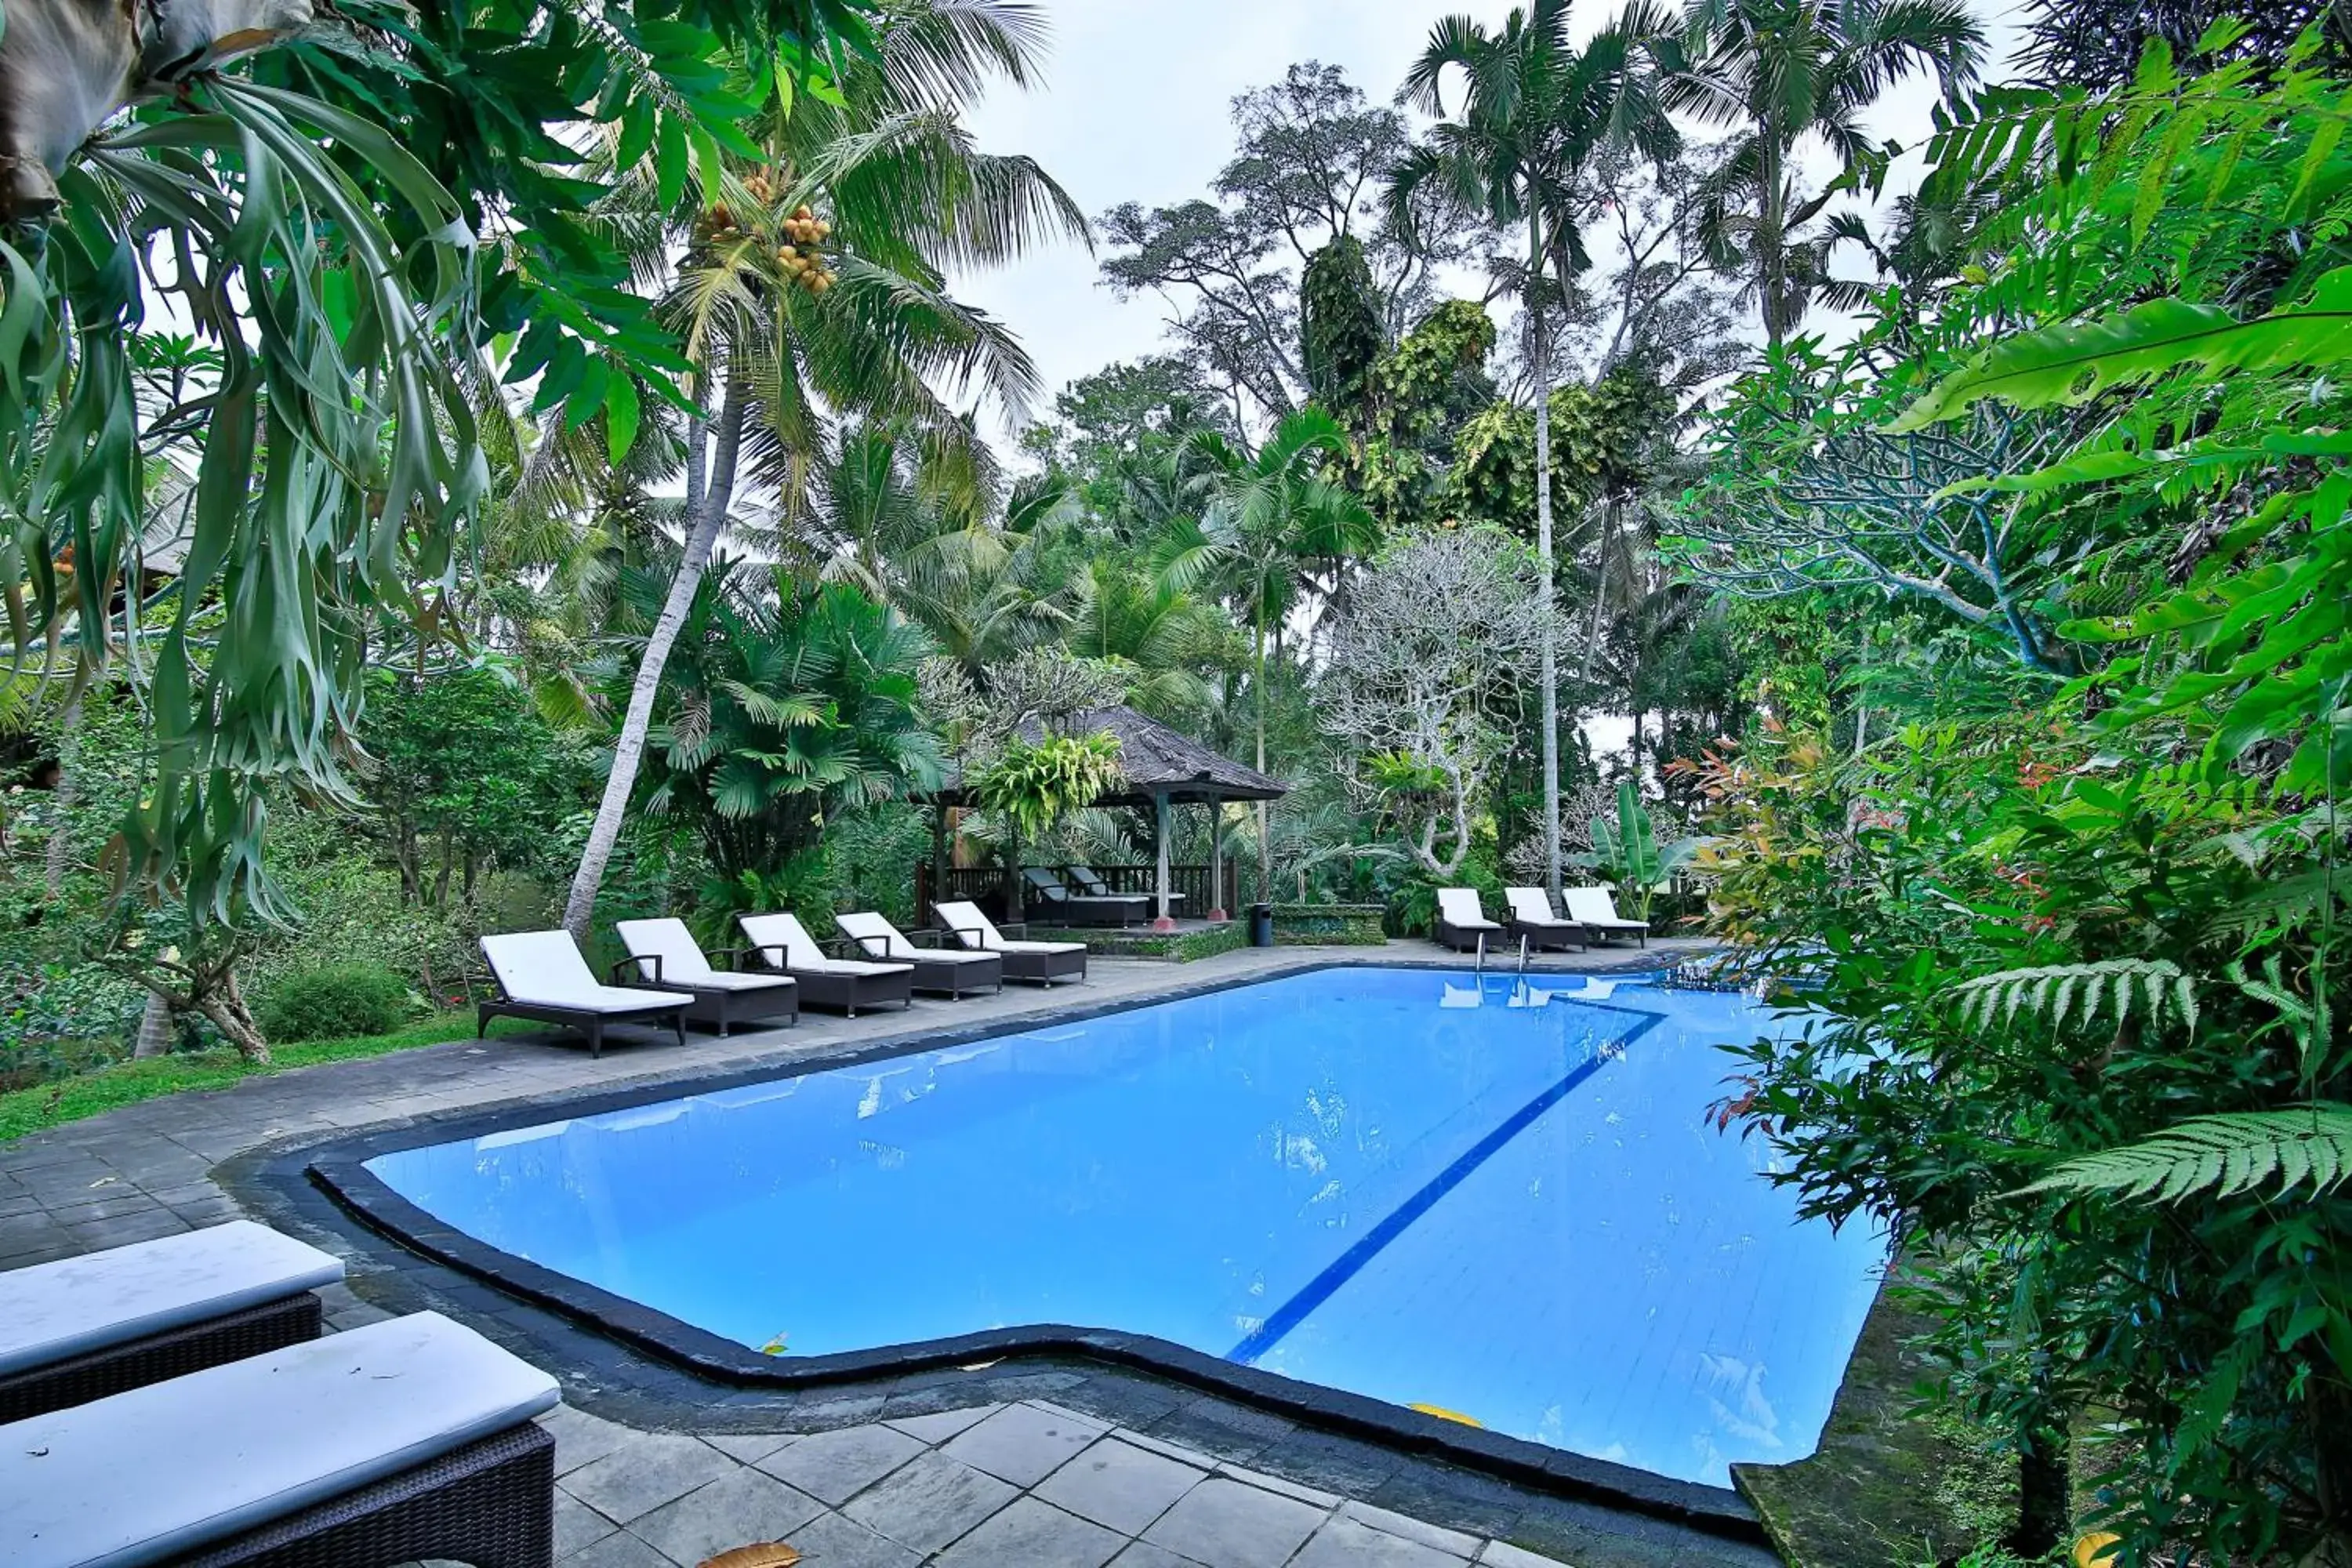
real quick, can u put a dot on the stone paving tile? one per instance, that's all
(1345, 1543)
(943, 1424)
(734, 1511)
(930, 1501)
(577, 1526)
(1503, 1554)
(834, 1467)
(1226, 1432)
(650, 1470)
(1143, 1554)
(748, 1449)
(1023, 1444)
(619, 1550)
(581, 1437)
(1223, 1523)
(1312, 1497)
(1453, 1540)
(833, 1541)
(1120, 1486)
(1030, 1534)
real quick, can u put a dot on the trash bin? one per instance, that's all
(1261, 925)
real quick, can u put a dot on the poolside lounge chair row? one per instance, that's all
(1590, 917)
(541, 975)
(1085, 898)
(173, 1402)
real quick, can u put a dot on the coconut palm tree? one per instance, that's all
(1270, 518)
(1786, 71)
(1535, 113)
(812, 282)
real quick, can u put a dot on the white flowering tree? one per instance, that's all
(1429, 669)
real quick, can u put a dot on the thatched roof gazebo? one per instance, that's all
(1158, 769)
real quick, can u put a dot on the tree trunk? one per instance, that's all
(59, 849)
(2044, 1491)
(154, 1036)
(1264, 847)
(703, 529)
(1539, 358)
(1771, 253)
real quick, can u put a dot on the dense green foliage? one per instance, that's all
(342, 1001)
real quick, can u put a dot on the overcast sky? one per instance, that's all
(1134, 108)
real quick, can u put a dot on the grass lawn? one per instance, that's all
(67, 1100)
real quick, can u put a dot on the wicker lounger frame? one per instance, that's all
(491, 1503)
(953, 979)
(589, 1023)
(823, 988)
(717, 1005)
(1043, 967)
(160, 1357)
(1465, 939)
(1550, 936)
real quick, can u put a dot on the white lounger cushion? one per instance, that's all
(977, 930)
(146, 1476)
(544, 968)
(1460, 908)
(1593, 906)
(682, 963)
(1529, 906)
(801, 950)
(76, 1305)
(869, 929)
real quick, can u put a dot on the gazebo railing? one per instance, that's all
(984, 885)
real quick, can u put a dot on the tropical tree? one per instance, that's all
(1269, 519)
(1535, 113)
(1784, 72)
(787, 314)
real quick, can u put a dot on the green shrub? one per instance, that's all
(335, 1003)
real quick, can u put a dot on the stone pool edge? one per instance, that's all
(337, 1169)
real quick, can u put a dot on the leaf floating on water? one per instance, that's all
(759, 1554)
(979, 1366)
(1444, 1415)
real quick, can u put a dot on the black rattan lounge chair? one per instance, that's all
(1088, 884)
(1064, 906)
(404, 1440)
(1462, 925)
(848, 984)
(952, 971)
(83, 1327)
(541, 975)
(1043, 961)
(666, 955)
(1594, 910)
(1530, 916)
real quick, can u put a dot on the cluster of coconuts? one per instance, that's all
(800, 259)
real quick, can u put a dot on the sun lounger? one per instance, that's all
(848, 984)
(1593, 909)
(1044, 962)
(1462, 925)
(666, 955)
(954, 971)
(1531, 917)
(83, 1327)
(1089, 884)
(542, 976)
(1068, 906)
(404, 1440)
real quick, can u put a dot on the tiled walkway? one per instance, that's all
(1026, 1485)
(1122, 1468)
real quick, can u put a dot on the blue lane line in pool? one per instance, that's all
(1319, 1289)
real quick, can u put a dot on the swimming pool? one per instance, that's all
(1467, 1197)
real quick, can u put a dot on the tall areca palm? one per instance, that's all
(1789, 70)
(778, 344)
(1535, 113)
(1269, 518)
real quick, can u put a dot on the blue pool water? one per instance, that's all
(1401, 1183)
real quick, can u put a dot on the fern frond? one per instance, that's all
(2052, 991)
(2225, 1154)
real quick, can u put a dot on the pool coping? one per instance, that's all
(338, 1169)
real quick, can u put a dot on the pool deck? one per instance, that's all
(1031, 1462)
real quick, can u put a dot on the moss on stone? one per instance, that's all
(1888, 1485)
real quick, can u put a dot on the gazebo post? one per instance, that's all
(1217, 858)
(1163, 923)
